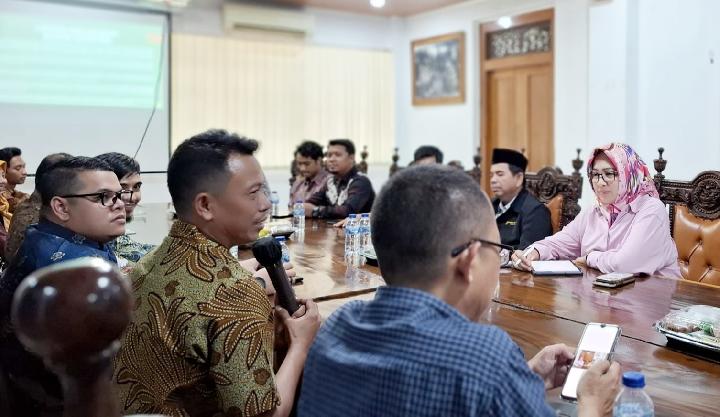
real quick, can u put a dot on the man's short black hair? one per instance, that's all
(346, 143)
(310, 149)
(121, 164)
(200, 164)
(6, 154)
(421, 214)
(48, 163)
(62, 178)
(514, 169)
(428, 150)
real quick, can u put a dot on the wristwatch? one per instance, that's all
(261, 282)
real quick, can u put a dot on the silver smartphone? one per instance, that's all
(596, 343)
(614, 279)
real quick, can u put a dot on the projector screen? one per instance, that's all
(84, 80)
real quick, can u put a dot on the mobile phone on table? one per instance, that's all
(614, 279)
(596, 343)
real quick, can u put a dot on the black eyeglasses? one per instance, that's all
(106, 198)
(457, 251)
(607, 176)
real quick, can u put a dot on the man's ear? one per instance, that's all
(60, 207)
(203, 205)
(464, 263)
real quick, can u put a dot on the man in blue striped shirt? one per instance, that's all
(416, 350)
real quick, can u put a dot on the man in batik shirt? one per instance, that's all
(28, 212)
(81, 212)
(127, 170)
(201, 339)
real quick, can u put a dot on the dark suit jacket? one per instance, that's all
(525, 222)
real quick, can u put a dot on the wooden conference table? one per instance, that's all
(552, 310)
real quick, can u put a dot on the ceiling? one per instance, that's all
(392, 7)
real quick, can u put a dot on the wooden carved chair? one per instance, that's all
(559, 192)
(394, 167)
(476, 171)
(363, 165)
(694, 209)
(73, 314)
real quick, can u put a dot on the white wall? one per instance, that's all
(678, 89)
(332, 28)
(454, 128)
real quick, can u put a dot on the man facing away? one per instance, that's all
(81, 212)
(313, 176)
(347, 191)
(521, 218)
(416, 349)
(201, 339)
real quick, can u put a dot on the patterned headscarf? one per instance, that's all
(4, 204)
(634, 177)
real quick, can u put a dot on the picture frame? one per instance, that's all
(438, 70)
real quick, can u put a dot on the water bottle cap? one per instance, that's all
(366, 215)
(633, 379)
(280, 238)
(298, 202)
(352, 216)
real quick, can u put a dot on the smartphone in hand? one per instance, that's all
(596, 343)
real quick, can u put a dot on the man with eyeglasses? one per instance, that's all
(127, 170)
(416, 349)
(81, 211)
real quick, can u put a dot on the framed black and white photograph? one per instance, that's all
(438, 65)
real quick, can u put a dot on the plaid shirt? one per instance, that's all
(304, 188)
(408, 353)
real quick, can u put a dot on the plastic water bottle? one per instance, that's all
(633, 401)
(285, 250)
(364, 231)
(351, 234)
(299, 215)
(275, 201)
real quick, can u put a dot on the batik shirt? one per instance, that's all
(45, 243)
(341, 196)
(201, 339)
(26, 213)
(125, 247)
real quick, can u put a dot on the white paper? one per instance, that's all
(554, 267)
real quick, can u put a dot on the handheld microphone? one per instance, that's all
(269, 253)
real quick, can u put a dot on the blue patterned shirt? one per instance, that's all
(45, 243)
(408, 353)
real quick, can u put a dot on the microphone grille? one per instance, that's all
(267, 251)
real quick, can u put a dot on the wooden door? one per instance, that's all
(517, 90)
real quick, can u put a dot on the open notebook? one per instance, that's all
(555, 268)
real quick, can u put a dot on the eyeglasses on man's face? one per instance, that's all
(106, 198)
(505, 251)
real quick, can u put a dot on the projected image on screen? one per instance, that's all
(78, 62)
(84, 78)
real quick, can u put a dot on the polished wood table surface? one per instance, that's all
(635, 307)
